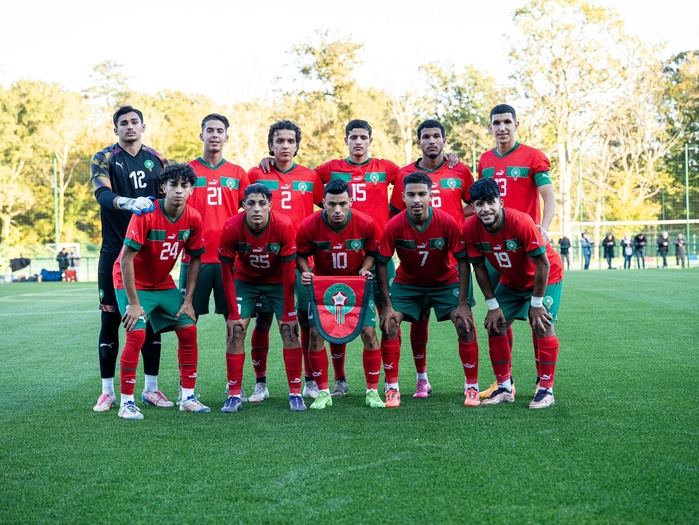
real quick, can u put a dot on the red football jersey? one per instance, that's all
(368, 182)
(159, 242)
(450, 187)
(337, 252)
(294, 192)
(509, 249)
(519, 173)
(216, 196)
(257, 256)
(424, 255)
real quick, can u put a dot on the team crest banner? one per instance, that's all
(338, 305)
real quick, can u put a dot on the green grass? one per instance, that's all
(619, 446)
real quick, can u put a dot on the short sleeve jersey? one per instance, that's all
(159, 241)
(519, 173)
(337, 252)
(294, 192)
(509, 249)
(116, 170)
(450, 188)
(257, 256)
(216, 196)
(424, 255)
(368, 182)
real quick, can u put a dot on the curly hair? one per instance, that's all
(178, 171)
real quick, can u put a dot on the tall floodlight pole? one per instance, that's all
(55, 202)
(686, 183)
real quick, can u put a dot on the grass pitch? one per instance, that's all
(619, 446)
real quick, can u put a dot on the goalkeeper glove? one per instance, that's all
(138, 205)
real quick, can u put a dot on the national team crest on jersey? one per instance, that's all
(511, 245)
(303, 187)
(149, 165)
(338, 308)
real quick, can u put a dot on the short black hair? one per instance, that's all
(357, 124)
(281, 125)
(123, 110)
(337, 187)
(215, 116)
(178, 171)
(484, 190)
(430, 123)
(503, 108)
(417, 177)
(258, 188)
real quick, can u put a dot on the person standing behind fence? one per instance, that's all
(609, 243)
(564, 247)
(74, 262)
(586, 247)
(639, 243)
(663, 247)
(62, 259)
(680, 249)
(627, 250)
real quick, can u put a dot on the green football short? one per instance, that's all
(251, 295)
(209, 281)
(515, 303)
(413, 300)
(161, 307)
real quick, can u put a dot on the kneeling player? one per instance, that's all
(342, 243)
(145, 289)
(423, 237)
(261, 243)
(530, 287)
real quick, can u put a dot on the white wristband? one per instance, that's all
(492, 304)
(537, 302)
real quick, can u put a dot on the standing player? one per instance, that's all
(531, 275)
(145, 290)
(342, 242)
(216, 196)
(450, 187)
(261, 244)
(368, 179)
(423, 238)
(124, 178)
(522, 173)
(297, 189)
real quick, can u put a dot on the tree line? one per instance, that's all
(598, 101)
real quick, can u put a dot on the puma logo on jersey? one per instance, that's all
(170, 237)
(536, 243)
(119, 164)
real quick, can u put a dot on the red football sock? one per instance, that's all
(390, 352)
(187, 355)
(305, 343)
(372, 367)
(293, 363)
(234, 372)
(419, 332)
(500, 357)
(537, 360)
(468, 352)
(129, 360)
(259, 349)
(338, 353)
(319, 367)
(510, 342)
(548, 355)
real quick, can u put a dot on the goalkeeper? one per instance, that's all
(124, 178)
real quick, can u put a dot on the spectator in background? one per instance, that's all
(564, 247)
(680, 249)
(609, 243)
(74, 262)
(627, 250)
(639, 243)
(663, 247)
(62, 259)
(586, 246)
